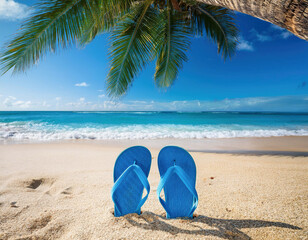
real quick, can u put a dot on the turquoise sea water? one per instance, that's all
(46, 126)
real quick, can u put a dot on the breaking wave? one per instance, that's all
(35, 131)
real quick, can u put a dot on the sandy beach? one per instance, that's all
(82, 81)
(257, 190)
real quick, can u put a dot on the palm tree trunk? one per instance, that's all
(289, 14)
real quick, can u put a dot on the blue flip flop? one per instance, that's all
(178, 179)
(130, 174)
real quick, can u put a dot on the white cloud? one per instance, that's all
(8, 101)
(261, 37)
(83, 84)
(11, 101)
(138, 102)
(58, 98)
(283, 103)
(23, 104)
(273, 26)
(100, 90)
(45, 105)
(81, 104)
(101, 95)
(286, 34)
(11, 10)
(244, 45)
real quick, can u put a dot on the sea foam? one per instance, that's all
(48, 132)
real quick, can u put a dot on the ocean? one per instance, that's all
(49, 126)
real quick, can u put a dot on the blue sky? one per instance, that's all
(268, 73)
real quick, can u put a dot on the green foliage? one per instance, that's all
(105, 15)
(54, 23)
(140, 31)
(172, 41)
(98, 22)
(131, 46)
(217, 23)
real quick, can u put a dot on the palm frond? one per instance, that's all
(89, 31)
(172, 41)
(104, 17)
(96, 23)
(121, 5)
(218, 23)
(53, 24)
(131, 47)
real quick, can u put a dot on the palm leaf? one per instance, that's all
(105, 16)
(172, 42)
(121, 5)
(89, 31)
(54, 23)
(218, 23)
(100, 21)
(131, 47)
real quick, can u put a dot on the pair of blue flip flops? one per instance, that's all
(178, 179)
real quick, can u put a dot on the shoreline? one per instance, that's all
(286, 145)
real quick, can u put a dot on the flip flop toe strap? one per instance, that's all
(185, 179)
(143, 179)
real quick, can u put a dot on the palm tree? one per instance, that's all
(291, 15)
(140, 32)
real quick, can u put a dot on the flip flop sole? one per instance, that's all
(178, 198)
(129, 193)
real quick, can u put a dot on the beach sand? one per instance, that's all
(259, 190)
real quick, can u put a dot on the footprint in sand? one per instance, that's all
(39, 223)
(43, 228)
(40, 184)
(35, 183)
(13, 204)
(67, 191)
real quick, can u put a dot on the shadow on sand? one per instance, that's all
(202, 225)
